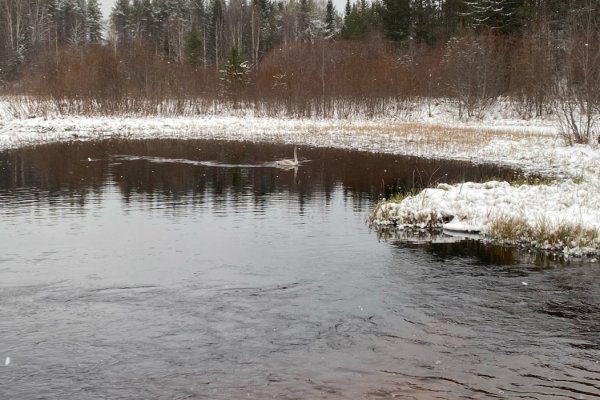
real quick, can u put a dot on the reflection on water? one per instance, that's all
(195, 167)
(469, 246)
(196, 269)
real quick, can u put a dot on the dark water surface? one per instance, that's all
(195, 269)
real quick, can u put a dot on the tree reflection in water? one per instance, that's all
(77, 169)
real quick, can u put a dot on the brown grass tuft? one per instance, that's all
(542, 234)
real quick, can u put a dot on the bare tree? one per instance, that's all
(475, 72)
(534, 70)
(578, 92)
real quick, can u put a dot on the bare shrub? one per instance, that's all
(475, 72)
(101, 80)
(533, 72)
(322, 79)
(330, 79)
(579, 92)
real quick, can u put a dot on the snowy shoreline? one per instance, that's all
(573, 199)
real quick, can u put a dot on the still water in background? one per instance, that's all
(195, 269)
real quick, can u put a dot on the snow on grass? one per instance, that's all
(563, 215)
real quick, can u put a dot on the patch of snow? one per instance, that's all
(473, 207)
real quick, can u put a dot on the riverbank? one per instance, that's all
(436, 134)
(560, 214)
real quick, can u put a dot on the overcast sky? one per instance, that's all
(106, 6)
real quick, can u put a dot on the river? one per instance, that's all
(166, 269)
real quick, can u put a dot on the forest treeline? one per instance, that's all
(304, 57)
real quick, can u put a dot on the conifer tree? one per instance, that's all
(148, 27)
(120, 18)
(304, 19)
(234, 75)
(452, 16)
(194, 48)
(67, 19)
(271, 26)
(80, 24)
(396, 19)
(329, 19)
(501, 15)
(363, 19)
(135, 18)
(423, 16)
(160, 15)
(93, 21)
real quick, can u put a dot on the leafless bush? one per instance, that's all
(101, 80)
(322, 79)
(336, 79)
(331, 79)
(533, 72)
(579, 92)
(475, 72)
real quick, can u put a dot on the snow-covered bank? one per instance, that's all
(562, 217)
(428, 137)
(534, 146)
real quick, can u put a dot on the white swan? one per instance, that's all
(287, 163)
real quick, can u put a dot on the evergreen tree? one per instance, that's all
(67, 19)
(304, 19)
(271, 26)
(236, 68)
(396, 19)
(452, 18)
(234, 75)
(362, 19)
(148, 28)
(80, 28)
(194, 49)
(135, 18)
(423, 15)
(329, 19)
(120, 18)
(93, 21)
(499, 15)
(160, 15)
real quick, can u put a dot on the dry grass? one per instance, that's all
(438, 135)
(534, 181)
(422, 138)
(542, 234)
(385, 212)
(382, 212)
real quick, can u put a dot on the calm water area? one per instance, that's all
(166, 269)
